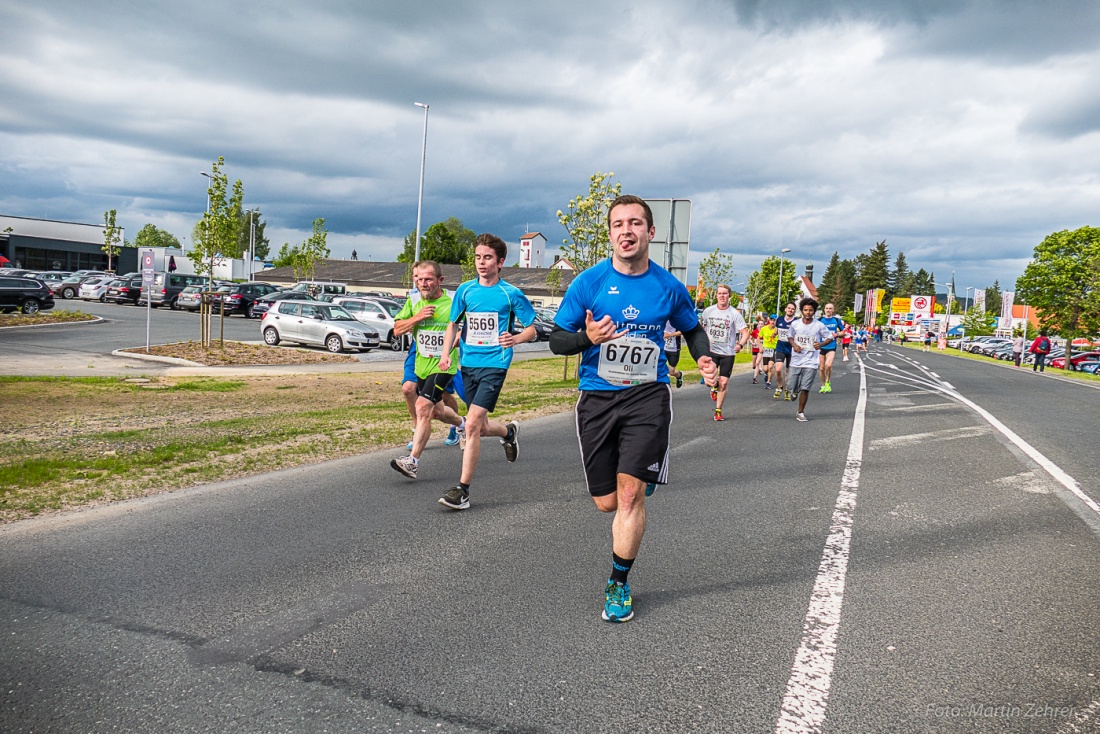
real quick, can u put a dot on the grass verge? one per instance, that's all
(89, 440)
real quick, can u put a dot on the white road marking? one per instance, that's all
(804, 703)
(948, 434)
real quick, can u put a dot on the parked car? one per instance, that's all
(168, 286)
(24, 294)
(1092, 368)
(239, 297)
(69, 287)
(1076, 359)
(124, 291)
(49, 277)
(374, 314)
(991, 345)
(1054, 353)
(95, 287)
(261, 305)
(190, 298)
(542, 328)
(315, 322)
(316, 288)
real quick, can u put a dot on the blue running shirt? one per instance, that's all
(487, 310)
(834, 324)
(642, 304)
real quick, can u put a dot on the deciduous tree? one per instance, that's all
(152, 236)
(586, 223)
(764, 283)
(111, 237)
(1062, 283)
(714, 270)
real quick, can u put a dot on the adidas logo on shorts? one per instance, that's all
(654, 467)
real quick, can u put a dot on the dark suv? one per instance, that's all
(239, 297)
(25, 294)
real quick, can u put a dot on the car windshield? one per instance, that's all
(337, 313)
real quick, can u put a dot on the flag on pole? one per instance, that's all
(1007, 297)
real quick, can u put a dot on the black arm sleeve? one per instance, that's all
(568, 342)
(698, 342)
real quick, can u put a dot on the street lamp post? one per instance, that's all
(420, 198)
(779, 285)
(251, 242)
(966, 306)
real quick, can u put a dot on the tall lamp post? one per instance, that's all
(420, 198)
(251, 242)
(966, 306)
(779, 285)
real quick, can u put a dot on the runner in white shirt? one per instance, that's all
(807, 337)
(728, 333)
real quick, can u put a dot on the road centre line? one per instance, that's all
(807, 694)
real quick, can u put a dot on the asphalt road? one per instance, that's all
(903, 562)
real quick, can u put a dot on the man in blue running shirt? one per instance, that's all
(487, 305)
(783, 349)
(615, 314)
(835, 325)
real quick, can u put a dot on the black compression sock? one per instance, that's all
(620, 567)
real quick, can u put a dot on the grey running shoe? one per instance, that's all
(456, 498)
(405, 465)
(511, 447)
(801, 418)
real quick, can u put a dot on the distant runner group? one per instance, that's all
(628, 319)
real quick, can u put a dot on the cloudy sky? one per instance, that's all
(961, 133)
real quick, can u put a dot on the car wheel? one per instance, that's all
(173, 305)
(396, 342)
(30, 307)
(271, 336)
(334, 343)
(68, 293)
(247, 312)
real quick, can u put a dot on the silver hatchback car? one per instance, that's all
(319, 323)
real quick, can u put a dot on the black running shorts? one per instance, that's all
(624, 432)
(483, 386)
(724, 362)
(673, 358)
(433, 386)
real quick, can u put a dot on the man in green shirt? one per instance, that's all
(427, 319)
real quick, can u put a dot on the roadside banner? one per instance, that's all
(1007, 297)
(922, 305)
(859, 303)
(979, 299)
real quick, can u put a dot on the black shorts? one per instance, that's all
(783, 355)
(724, 362)
(624, 432)
(673, 358)
(433, 386)
(483, 386)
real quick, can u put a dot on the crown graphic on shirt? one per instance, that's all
(630, 313)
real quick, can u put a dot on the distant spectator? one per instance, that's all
(1018, 349)
(354, 255)
(1040, 348)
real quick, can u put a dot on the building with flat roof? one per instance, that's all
(46, 244)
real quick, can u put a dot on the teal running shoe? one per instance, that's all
(650, 488)
(618, 604)
(452, 437)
